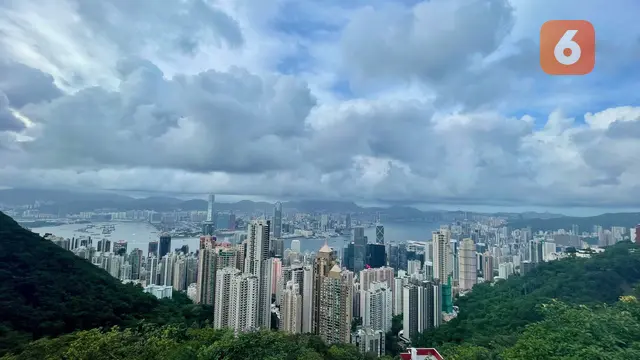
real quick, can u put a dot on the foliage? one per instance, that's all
(581, 332)
(392, 346)
(179, 342)
(48, 291)
(493, 317)
(567, 332)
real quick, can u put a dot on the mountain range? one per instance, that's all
(64, 201)
(586, 223)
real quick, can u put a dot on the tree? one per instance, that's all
(48, 291)
(151, 342)
(582, 332)
(391, 343)
(493, 316)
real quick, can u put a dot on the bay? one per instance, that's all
(139, 234)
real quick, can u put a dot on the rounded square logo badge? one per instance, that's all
(567, 47)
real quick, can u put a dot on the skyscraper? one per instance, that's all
(292, 309)
(153, 249)
(487, 267)
(410, 311)
(536, 250)
(376, 255)
(205, 292)
(307, 296)
(441, 249)
(376, 306)
(372, 275)
(398, 293)
(210, 207)
(334, 323)
(295, 245)
(120, 247)
(212, 258)
(223, 298)
(244, 302)
(152, 266)
(165, 245)
(277, 220)
(422, 307)
(257, 263)
(277, 247)
(468, 264)
(359, 248)
(347, 222)
(104, 245)
(332, 298)
(166, 264)
(179, 281)
(209, 225)
(398, 256)
(135, 259)
(324, 262)
(379, 234)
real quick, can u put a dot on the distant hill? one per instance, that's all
(584, 223)
(68, 202)
(47, 291)
(56, 202)
(530, 215)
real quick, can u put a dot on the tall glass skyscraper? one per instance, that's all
(209, 225)
(359, 248)
(165, 245)
(277, 220)
(379, 234)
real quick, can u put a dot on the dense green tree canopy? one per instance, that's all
(48, 291)
(493, 317)
(179, 342)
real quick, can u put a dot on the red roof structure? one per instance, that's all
(421, 354)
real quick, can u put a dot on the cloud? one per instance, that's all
(7, 120)
(438, 102)
(24, 85)
(78, 42)
(211, 121)
(442, 43)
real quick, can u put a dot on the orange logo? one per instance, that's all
(567, 47)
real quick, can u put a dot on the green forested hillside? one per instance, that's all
(48, 291)
(180, 343)
(492, 318)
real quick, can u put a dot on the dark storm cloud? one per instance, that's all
(24, 85)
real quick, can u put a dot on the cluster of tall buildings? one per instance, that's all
(255, 283)
(160, 271)
(249, 286)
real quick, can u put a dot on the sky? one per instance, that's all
(438, 103)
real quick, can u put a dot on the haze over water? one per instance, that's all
(138, 235)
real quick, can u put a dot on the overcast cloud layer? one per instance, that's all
(436, 102)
